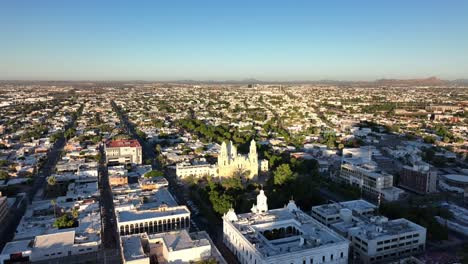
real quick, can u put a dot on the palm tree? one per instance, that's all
(75, 213)
(54, 204)
(51, 180)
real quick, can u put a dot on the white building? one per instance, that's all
(123, 152)
(185, 169)
(328, 214)
(284, 235)
(370, 180)
(47, 247)
(160, 219)
(170, 247)
(454, 182)
(377, 239)
(374, 239)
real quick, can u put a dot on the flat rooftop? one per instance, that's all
(60, 239)
(354, 205)
(134, 215)
(17, 246)
(133, 143)
(132, 195)
(132, 248)
(179, 240)
(311, 233)
(376, 230)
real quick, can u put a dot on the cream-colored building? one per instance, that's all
(284, 235)
(230, 162)
(186, 169)
(124, 152)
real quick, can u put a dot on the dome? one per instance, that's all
(291, 206)
(262, 204)
(231, 215)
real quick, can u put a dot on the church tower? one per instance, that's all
(233, 151)
(253, 156)
(223, 156)
(262, 205)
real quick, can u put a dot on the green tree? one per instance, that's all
(154, 173)
(429, 139)
(51, 180)
(221, 203)
(54, 204)
(75, 213)
(283, 174)
(65, 221)
(69, 133)
(232, 183)
(4, 175)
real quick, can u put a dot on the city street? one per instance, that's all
(215, 230)
(53, 156)
(109, 226)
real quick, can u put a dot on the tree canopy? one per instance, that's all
(283, 174)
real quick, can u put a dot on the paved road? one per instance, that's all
(53, 157)
(109, 225)
(214, 230)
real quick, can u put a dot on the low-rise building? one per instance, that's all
(328, 214)
(284, 235)
(374, 239)
(117, 180)
(123, 152)
(370, 180)
(185, 169)
(169, 247)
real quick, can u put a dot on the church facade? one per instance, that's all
(230, 162)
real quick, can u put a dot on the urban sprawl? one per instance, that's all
(233, 173)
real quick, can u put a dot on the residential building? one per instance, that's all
(116, 180)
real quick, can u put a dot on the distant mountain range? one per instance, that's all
(431, 81)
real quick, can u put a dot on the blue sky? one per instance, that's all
(219, 40)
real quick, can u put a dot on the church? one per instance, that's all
(230, 162)
(283, 235)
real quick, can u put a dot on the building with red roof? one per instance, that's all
(123, 151)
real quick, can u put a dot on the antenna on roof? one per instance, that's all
(378, 202)
(370, 153)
